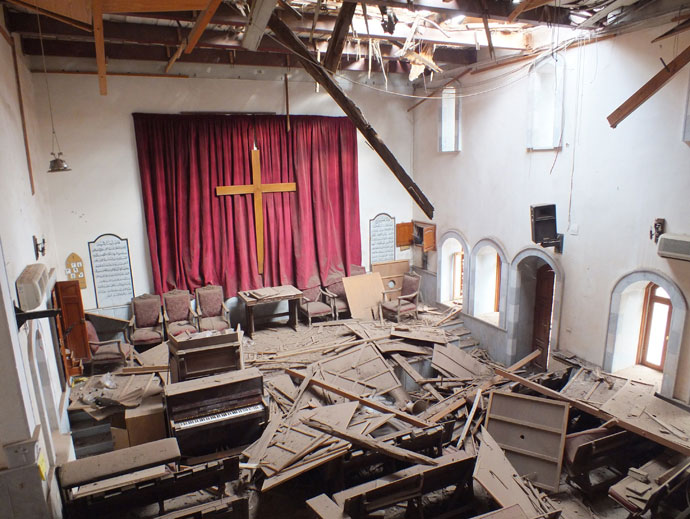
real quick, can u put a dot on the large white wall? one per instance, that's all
(102, 193)
(621, 178)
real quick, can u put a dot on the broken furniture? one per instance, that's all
(392, 273)
(364, 295)
(336, 292)
(71, 330)
(266, 296)
(607, 451)
(205, 353)
(532, 432)
(146, 422)
(146, 324)
(105, 355)
(211, 311)
(314, 304)
(409, 484)
(657, 480)
(108, 484)
(216, 413)
(406, 302)
(178, 314)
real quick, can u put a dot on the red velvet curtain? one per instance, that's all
(196, 237)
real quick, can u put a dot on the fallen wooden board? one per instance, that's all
(119, 481)
(364, 293)
(371, 444)
(432, 335)
(499, 478)
(453, 360)
(595, 388)
(324, 508)
(402, 347)
(364, 401)
(510, 512)
(414, 375)
(632, 426)
(531, 431)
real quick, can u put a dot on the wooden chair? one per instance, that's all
(146, 325)
(312, 304)
(106, 354)
(212, 314)
(178, 314)
(336, 292)
(406, 302)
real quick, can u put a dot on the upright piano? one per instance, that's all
(216, 413)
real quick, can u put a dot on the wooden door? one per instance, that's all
(655, 328)
(74, 342)
(543, 306)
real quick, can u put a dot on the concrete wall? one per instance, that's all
(608, 184)
(102, 193)
(629, 321)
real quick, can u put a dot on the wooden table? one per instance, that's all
(268, 295)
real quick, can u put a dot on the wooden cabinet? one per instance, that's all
(71, 326)
(418, 234)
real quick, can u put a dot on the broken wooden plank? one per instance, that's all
(455, 361)
(339, 36)
(364, 401)
(649, 89)
(325, 508)
(414, 375)
(422, 334)
(364, 293)
(682, 27)
(470, 417)
(288, 38)
(366, 442)
(202, 22)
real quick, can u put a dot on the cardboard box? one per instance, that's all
(146, 423)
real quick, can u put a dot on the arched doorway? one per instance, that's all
(536, 290)
(646, 322)
(452, 262)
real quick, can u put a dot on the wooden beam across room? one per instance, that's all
(336, 45)
(99, 42)
(316, 70)
(650, 88)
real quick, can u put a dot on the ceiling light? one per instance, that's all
(57, 163)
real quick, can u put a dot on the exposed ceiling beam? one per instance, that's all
(648, 14)
(34, 7)
(336, 45)
(117, 51)
(99, 43)
(649, 89)
(681, 27)
(258, 18)
(151, 6)
(526, 5)
(200, 26)
(124, 32)
(316, 70)
(498, 9)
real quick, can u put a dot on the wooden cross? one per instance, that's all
(257, 189)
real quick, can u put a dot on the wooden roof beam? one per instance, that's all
(200, 26)
(259, 14)
(336, 45)
(99, 42)
(319, 73)
(649, 89)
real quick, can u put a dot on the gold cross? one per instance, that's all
(257, 189)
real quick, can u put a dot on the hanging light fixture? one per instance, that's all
(57, 163)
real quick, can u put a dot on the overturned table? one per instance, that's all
(260, 296)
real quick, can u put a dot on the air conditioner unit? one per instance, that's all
(676, 246)
(32, 284)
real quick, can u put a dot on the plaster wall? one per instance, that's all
(102, 193)
(485, 280)
(608, 184)
(628, 331)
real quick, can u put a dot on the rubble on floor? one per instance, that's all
(380, 419)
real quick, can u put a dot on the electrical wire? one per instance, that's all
(45, 76)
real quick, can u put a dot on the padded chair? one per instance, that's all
(108, 354)
(211, 311)
(406, 302)
(336, 292)
(178, 314)
(312, 304)
(146, 324)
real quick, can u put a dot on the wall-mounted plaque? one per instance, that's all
(74, 269)
(112, 270)
(381, 238)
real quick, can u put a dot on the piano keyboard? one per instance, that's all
(194, 422)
